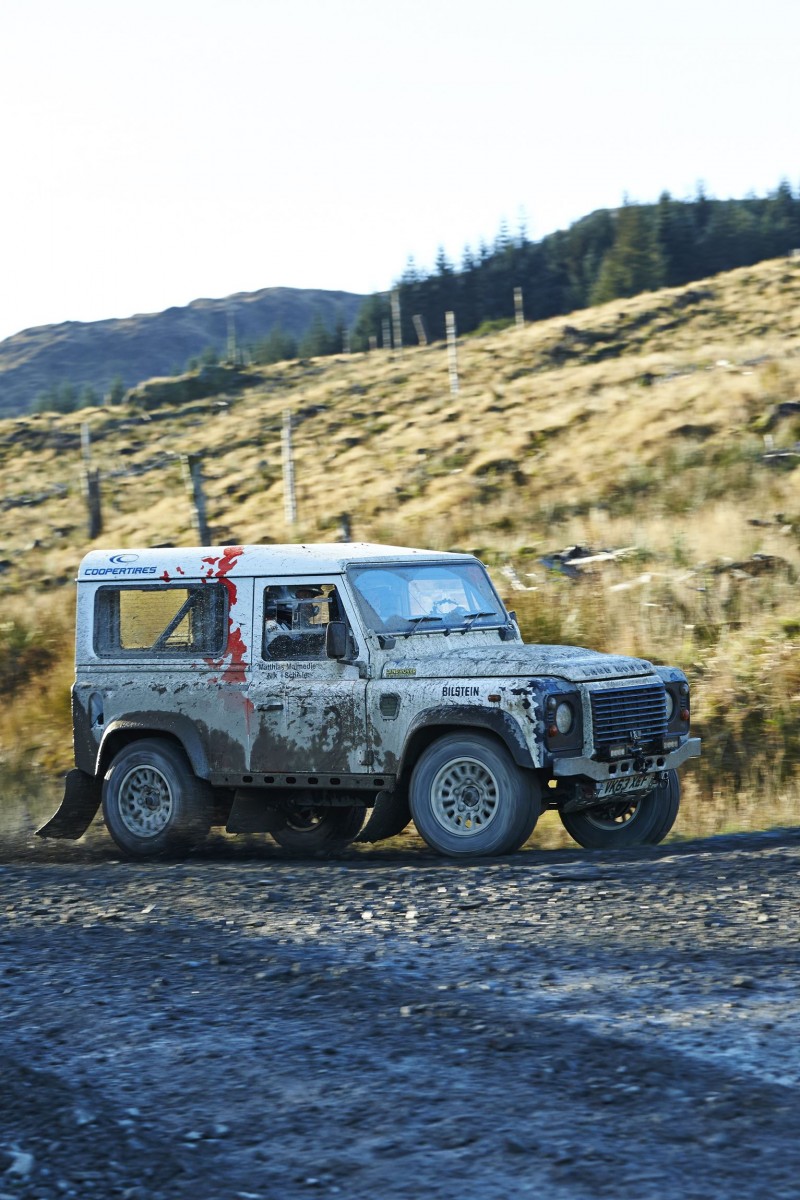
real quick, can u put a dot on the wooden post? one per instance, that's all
(387, 334)
(90, 478)
(91, 492)
(289, 497)
(396, 323)
(193, 479)
(231, 338)
(452, 352)
(373, 342)
(345, 533)
(419, 327)
(519, 314)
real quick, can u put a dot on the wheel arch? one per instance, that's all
(434, 723)
(181, 731)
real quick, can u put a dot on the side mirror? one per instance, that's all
(510, 631)
(336, 640)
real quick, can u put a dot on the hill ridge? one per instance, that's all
(135, 348)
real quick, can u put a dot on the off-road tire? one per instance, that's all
(153, 803)
(669, 801)
(309, 832)
(468, 797)
(637, 821)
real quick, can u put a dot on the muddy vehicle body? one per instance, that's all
(293, 690)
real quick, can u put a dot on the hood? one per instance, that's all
(575, 664)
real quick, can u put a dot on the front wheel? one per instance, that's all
(153, 803)
(469, 797)
(635, 821)
(321, 830)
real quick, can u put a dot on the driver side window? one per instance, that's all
(296, 617)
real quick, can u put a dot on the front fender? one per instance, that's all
(460, 716)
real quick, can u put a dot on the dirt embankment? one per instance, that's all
(393, 1025)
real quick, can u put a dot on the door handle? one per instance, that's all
(269, 706)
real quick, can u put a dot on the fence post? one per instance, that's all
(289, 497)
(345, 533)
(191, 465)
(452, 352)
(91, 492)
(396, 323)
(519, 314)
(91, 486)
(419, 327)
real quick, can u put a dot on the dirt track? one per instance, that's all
(557, 1024)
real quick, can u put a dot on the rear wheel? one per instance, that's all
(469, 797)
(153, 803)
(628, 821)
(320, 830)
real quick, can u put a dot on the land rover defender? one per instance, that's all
(294, 689)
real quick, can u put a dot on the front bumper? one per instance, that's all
(589, 768)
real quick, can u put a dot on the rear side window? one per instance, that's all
(187, 620)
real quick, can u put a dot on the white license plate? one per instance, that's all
(630, 783)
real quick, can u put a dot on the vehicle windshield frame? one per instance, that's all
(474, 582)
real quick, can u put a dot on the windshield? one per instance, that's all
(424, 599)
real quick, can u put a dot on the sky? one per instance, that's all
(157, 151)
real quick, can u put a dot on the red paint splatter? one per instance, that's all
(180, 570)
(165, 577)
(234, 672)
(223, 565)
(236, 648)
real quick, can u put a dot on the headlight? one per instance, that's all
(565, 718)
(670, 705)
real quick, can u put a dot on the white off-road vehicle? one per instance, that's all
(291, 689)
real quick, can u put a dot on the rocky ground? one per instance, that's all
(556, 1024)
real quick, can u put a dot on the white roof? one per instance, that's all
(194, 562)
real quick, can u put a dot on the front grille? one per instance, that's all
(628, 715)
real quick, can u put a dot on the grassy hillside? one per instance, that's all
(664, 425)
(96, 353)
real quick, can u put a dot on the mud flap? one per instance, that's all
(78, 808)
(389, 817)
(251, 814)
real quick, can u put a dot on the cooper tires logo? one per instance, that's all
(124, 558)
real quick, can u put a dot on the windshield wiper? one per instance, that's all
(421, 621)
(470, 617)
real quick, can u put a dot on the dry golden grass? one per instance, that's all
(640, 424)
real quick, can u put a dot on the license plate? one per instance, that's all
(630, 783)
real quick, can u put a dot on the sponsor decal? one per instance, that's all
(124, 558)
(458, 690)
(399, 672)
(120, 571)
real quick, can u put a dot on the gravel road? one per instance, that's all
(390, 1025)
